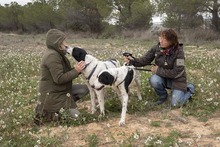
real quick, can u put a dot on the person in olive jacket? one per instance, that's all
(55, 86)
(169, 70)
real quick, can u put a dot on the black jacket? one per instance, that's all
(169, 66)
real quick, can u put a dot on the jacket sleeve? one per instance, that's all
(55, 66)
(146, 59)
(178, 69)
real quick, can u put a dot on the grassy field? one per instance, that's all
(20, 56)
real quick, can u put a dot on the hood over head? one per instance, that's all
(54, 38)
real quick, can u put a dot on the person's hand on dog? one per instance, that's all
(80, 66)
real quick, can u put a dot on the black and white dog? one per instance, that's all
(91, 71)
(119, 79)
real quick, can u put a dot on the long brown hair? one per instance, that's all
(171, 36)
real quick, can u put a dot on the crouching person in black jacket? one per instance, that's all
(169, 70)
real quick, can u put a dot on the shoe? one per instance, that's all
(38, 120)
(191, 88)
(161, 100)
(74, 113)
(76, 98)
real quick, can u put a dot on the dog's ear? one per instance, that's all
(106, 78)
(79, 54)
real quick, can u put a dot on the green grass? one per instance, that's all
(19, 75)
(92, 140)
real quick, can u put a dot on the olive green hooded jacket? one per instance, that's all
(55, 84)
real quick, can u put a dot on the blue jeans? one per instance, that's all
(178, 97)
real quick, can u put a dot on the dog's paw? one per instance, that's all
(121, 123)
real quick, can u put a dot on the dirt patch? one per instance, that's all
(192, 132)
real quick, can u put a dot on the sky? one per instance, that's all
(20, 2)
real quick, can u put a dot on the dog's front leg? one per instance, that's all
(124, 107)
(100, 96)
(92, 96)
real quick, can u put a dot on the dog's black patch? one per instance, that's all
(128, 79)
(79, 54)
(106, 78)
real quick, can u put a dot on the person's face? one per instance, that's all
(164, 43)
(63, 45)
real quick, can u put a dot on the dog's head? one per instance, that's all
(77, 53)
(104, 78)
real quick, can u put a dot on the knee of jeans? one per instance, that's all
(155, 81)
(176, 101)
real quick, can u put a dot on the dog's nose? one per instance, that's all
(93, 86)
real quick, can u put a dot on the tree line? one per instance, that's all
(95, 15)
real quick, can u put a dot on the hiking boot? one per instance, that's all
(38, 120)
(76, 98)
(161, 100)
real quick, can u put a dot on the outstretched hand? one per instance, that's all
(127, 57)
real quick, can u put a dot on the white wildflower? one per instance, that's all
(199, 136)
(38, 102)
(3, 126)
(209, 100)
(158, 142)
(48, 93)
(2, 122)
(216, 103)
(39, 94)
(62, 110)
(68, 94)
(149, 138)
(180, 140)
(38, 141)
(146, 103)
(136, 136)
(1, 138)
(146, 142)
(108, 125)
